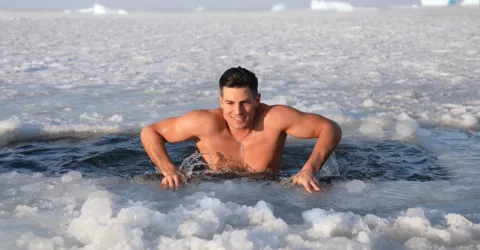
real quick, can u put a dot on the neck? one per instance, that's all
(242, 134)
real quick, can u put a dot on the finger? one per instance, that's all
(315, 185)
(171, 183)
(294, 182)
(163, 183)
(176, 181)
(307, 187)
(167, 182)
(316, 181)
(184, 178)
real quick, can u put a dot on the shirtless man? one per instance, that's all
(243, 134)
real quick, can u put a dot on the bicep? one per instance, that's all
(304, 125)
(177, 129)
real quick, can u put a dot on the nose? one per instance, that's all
(238, 109)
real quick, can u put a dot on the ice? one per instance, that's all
(331, 5)
(41, 244)
(97, 9)
(469, 121)
(334, 114)
(275, 101)
(279, 7)
(406, 126)
(471, 3)
(55, 92)
(369, 103)
(437, 2)
(355, 186)
(372, 128)
(71, 176)
(78, 76)
(23, 210)
(210, 215)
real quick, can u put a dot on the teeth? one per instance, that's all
(239, 119)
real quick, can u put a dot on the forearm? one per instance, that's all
(327, 142)
(154, 145)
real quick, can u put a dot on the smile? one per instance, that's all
(241, 119)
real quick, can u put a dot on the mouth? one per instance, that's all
(239, 118)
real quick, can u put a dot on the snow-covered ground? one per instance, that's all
(395, 74)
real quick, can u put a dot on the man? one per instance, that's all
(243, 134)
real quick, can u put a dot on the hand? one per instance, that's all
(173, 179)
(308, 179)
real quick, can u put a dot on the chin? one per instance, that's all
(237, 125)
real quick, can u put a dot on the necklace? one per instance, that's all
(242, 147)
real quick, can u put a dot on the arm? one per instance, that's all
(308, 126)
(176, 129)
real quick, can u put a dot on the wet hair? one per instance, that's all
(239, 78)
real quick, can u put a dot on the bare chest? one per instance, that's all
(260, 153)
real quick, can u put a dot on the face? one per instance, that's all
(239, 105)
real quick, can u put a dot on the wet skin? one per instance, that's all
(243, 135)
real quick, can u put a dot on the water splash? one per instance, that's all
(193, 162)
(330, 168)
(196, 165)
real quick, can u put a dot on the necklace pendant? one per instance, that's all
(242, 148)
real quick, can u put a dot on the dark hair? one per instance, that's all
(239, 78)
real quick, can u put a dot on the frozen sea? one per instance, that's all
(404, 85)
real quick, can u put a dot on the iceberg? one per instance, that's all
(279, 7)
(471, 3)
(98, 9)
(327, 5)
(438, 2)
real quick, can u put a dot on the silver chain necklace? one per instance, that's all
(242, 147)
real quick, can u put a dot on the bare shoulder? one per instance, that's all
(200, 114)
(205, 121)
(279, 112)
(285, 117)
(278, 109)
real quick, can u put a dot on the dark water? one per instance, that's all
(123, 156)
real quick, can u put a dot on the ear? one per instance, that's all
(220, 99)
(257, 99)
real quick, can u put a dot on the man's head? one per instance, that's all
(239, 97)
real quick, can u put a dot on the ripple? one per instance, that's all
(123, 156)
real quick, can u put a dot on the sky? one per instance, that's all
(183, 4)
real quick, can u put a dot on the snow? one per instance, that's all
(386, 75)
